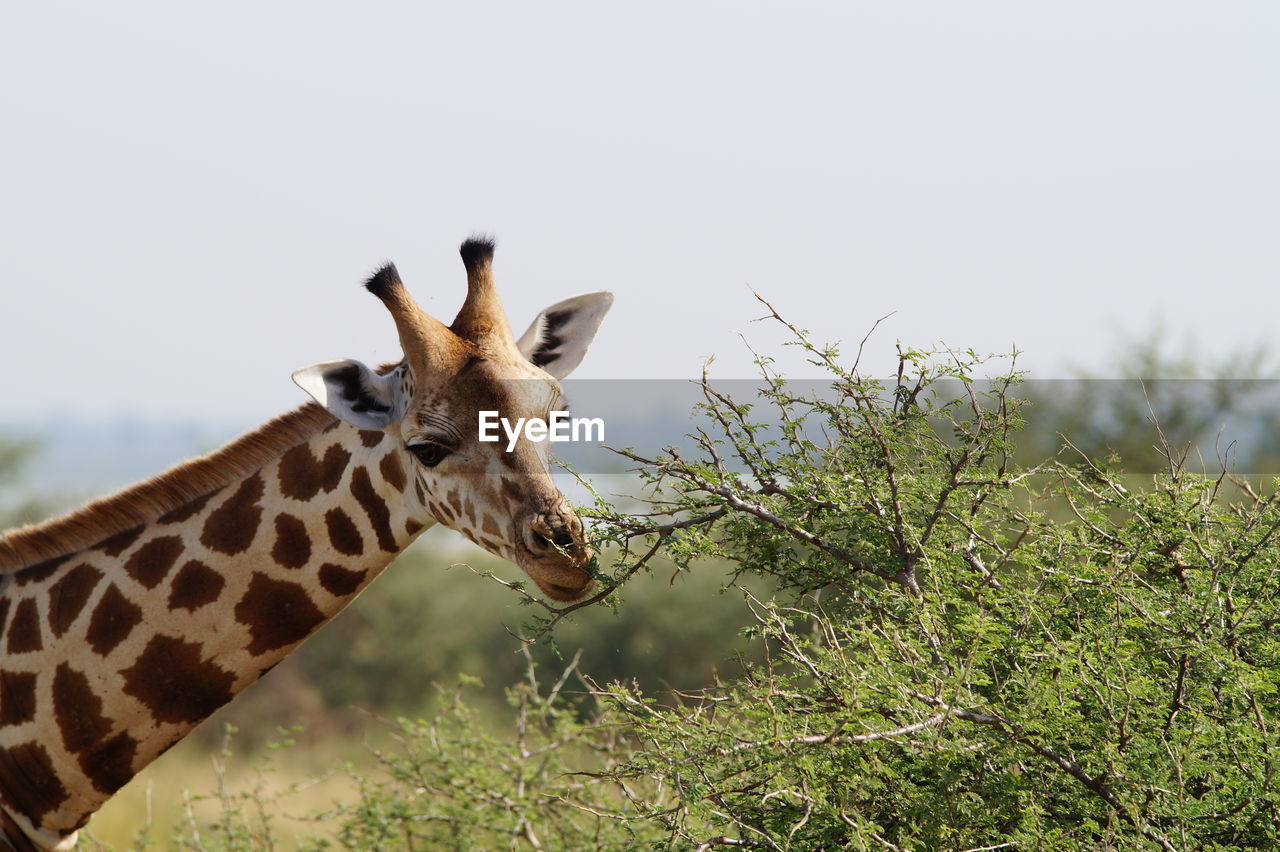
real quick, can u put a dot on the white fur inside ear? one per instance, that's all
(352, 392)
(558, 339)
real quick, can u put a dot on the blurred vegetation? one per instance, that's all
(19, 504)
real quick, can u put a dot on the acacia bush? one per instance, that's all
(961, 653)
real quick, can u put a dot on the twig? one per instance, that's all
(840, 739)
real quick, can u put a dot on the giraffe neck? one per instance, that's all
(112, 653)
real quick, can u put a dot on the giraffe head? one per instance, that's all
(500, 497)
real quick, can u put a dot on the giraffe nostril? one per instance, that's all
(546, 538)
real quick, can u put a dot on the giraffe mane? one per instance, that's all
(148, 500)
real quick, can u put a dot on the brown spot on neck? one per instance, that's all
(375, 507)
(302, 476)
(17, 697)
(109, 765)
(78, 710)
(343, 534)
(175, 683)
(392, 470)
(68, 596)
(231, 527)
(150, 563)
(293, 545)
(194, 586)
(29, 783)
(278, 613)
(113, 620)
(339, 581)
(24, 630)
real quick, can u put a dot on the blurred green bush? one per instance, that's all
(429, 619)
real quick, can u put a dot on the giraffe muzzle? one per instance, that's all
(557, 551)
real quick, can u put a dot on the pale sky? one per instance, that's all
(190, 195)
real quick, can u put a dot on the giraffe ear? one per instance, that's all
(352, 392)
(560, 335)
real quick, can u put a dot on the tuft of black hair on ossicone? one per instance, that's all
(382, 281)
(477, 251)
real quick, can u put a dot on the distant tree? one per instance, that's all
(17, 505)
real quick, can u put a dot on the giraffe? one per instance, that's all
(126, 623)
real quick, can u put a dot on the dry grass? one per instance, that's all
(188, 787)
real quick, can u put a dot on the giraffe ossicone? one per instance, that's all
(126, 623)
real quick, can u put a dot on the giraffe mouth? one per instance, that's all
(560, 592)
(560, 578)
(554, 553)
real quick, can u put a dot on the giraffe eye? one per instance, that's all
(429, 453)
